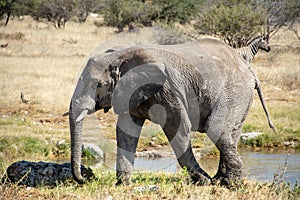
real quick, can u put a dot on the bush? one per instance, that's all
(56, 11)
(121, 13)
(181, 11)
(15, 8)
(235, 23)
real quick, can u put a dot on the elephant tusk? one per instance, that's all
(82, 115)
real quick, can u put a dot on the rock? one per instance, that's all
(94, 150)
(33, 174)
(290, 144)
(152, 144)
(109, 197)
(251, 135)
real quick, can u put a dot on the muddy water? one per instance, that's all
(260, 166)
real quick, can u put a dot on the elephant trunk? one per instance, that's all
(76, 144)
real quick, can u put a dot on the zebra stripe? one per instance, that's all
(248, 52)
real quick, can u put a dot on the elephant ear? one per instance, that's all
(137, 85)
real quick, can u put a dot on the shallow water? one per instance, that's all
(260, 166)
(263, 165)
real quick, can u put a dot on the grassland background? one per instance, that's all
(44, 63)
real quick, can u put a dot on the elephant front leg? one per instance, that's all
(128, 132)
(197, 174)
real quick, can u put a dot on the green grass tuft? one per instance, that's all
(265, 140)
(15, 147)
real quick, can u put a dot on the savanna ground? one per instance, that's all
(44, 63)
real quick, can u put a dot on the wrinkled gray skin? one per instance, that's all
(200, 86)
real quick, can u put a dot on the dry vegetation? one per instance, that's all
(170, 187)
(44, 63)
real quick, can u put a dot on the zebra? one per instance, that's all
(248, 52)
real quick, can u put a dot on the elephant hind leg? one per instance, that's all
(230, 166)
(177, 129)
(224, 131)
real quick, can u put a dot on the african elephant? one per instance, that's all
(200, 86)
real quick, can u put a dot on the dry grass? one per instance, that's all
(166, 186)
(44, 63)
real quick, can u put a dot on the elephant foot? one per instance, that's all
(200, 179)
(226, 180)
(123, 178)
(223, 181)
(220, 178)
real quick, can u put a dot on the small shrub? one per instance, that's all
(87, 154)
(12, 36)
(18, 36)
(61, 149)
(264, 140)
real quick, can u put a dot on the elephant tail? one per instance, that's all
(262, 100)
